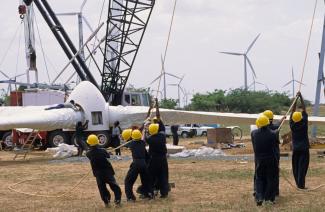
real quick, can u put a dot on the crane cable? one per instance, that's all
(11, 187)
(295, 100)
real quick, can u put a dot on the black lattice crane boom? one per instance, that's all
(126, 25)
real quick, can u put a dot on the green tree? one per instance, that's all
(168, 103)
(211, 101)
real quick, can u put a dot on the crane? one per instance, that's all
(126, 24)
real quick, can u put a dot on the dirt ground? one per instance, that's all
(201, 185)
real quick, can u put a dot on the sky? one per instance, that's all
(201, 29)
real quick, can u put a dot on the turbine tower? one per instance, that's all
(293, 81)
(246, 60)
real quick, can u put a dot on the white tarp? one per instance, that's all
(201, 152)
(63, 151)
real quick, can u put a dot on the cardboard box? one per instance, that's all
(219, 135)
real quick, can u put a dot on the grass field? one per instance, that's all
(201, 185)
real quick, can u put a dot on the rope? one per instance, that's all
(11, 187)
(305, 60)
(308, 44)
(299, 189)
(166, 48)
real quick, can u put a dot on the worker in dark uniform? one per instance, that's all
(252, 139)
(174, 129)
(158, 165)
(157, 119)
(103, 171)
(300, 143)
(116, 132)
(138, 166)
(264, 143)
(81, 137)
(275, 126)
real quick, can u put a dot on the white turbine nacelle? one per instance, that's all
(93, 104)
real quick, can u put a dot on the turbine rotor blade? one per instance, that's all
(250, 64)
(287, 84)
(156, 79)
(298, 82)
(82, 5)
(67, 14)
(252, 44)
(4, 74)
(172, 75)
(232, 53)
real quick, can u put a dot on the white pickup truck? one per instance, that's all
(189, 130)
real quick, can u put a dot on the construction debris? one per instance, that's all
(63, 151)
(201, 152)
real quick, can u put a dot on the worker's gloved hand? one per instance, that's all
(298, 94)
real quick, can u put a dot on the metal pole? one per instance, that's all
(245, 73)
(165, 93)
(319, 81)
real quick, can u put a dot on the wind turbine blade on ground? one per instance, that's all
(232, 53)
(250, 64)
(252, 44)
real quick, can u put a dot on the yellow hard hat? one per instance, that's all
(296, 116)
(257, 123)
(126, 134)
(268, 114)
(263, 121)
(136, 135)
(92, 140)
(153, 129)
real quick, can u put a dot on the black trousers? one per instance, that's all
(265, 179)
(104, 193)
(300, 163)
(138, 167)
(116, 142)
(175, 139)
(82, 146)
(277, 177)
(158, 169)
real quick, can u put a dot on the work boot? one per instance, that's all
(117, 203)
(259, 202)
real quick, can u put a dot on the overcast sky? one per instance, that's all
(201, 29)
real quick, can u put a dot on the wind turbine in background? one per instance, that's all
(10, 80)
(259, 83)
(179, 90)
(81, 20)
(163, 74)
(293, 81)
(246, 60)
